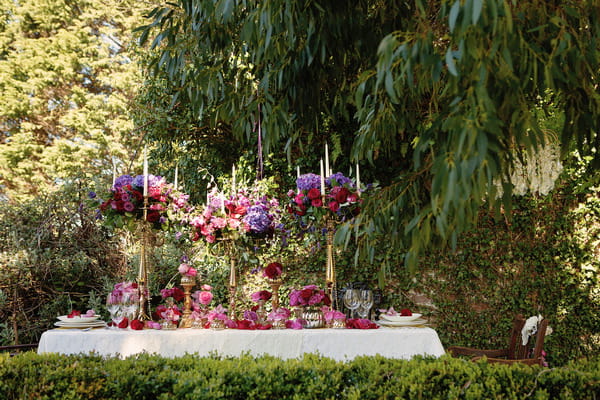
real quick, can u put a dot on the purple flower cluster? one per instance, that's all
(340, 179)
(153, 181)
(308, 181)
(257, 219)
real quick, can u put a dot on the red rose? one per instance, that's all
(314, 193)
(405, 312)
(326, 300)
(273, 270)
(334, 206)
(137, 325)
(306, 294)
(178, 294)
(124, 323)
(342, 195)
(244, 324)
(74, 313)
(153, 216)
(317, 202)
(301, 211)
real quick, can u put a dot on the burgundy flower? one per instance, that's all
(137, 325)
(334, 206)
(124, 323)
(273, 270)
(314, 194)
(317, 202)
(342, 195)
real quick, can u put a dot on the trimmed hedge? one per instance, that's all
(30, 376)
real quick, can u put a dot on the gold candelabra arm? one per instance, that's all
(330, 278)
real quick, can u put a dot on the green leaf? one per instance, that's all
(454, 10)
(450, 62)
(477, 6)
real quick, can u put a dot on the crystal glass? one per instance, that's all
(130, 305)
(351, 300)
(365, 303)
(114, 309)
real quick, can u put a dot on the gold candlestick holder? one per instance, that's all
(330, 264)
(144, 298)
(275, 284)
(187, 282)
(232, 288)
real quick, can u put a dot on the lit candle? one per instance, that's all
(327, 171)
(145, 172)
(176, 176)
(114, 171)
(357, 179)
(297, 171)
(233, 179)
(322, 179)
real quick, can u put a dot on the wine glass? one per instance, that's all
(351, 300)
(113, 306)
(130, 305)
(365, 303)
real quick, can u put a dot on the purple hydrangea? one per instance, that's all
(340, 179)
(308, 181)
(153, 180)
(92, 195)
(257, 219)
(123, 180)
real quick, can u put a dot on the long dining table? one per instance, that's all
(338, 344)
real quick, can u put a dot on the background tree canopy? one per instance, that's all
(445, 94)
(67, 78)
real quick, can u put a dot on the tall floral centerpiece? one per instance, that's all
(323, 202)
(229, 223)
(142, 204)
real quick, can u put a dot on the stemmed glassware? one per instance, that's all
(365, 303)
(114, 307)
(351, 300)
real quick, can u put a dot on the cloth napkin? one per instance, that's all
(530, 328)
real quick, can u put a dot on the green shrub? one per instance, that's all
(30, 376)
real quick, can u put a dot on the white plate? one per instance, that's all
(91, 324)
(81, 319)
(414, 322)
(400, 318)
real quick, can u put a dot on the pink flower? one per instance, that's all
(261, 295)
(205, 297)
(334, 206)
(192, 272)
(183, 268)
(293, 324)
(206, 287)
(211, 238)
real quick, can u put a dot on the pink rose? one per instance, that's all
(183, 268)
(205, 297)
(206, 287)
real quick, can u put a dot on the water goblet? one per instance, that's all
(113, 307)
(366, 302)
(351, 300)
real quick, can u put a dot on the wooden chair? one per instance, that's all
(529, 354)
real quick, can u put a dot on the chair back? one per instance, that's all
(535, 344)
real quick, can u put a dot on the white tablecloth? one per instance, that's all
(339, 344)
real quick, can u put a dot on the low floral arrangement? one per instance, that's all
(309, 295)
(331, 315)
(341, 200)
(123, 205)
(170, 311)
(76, 313)
(201, 299)
(124, 292)
(229, 217)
